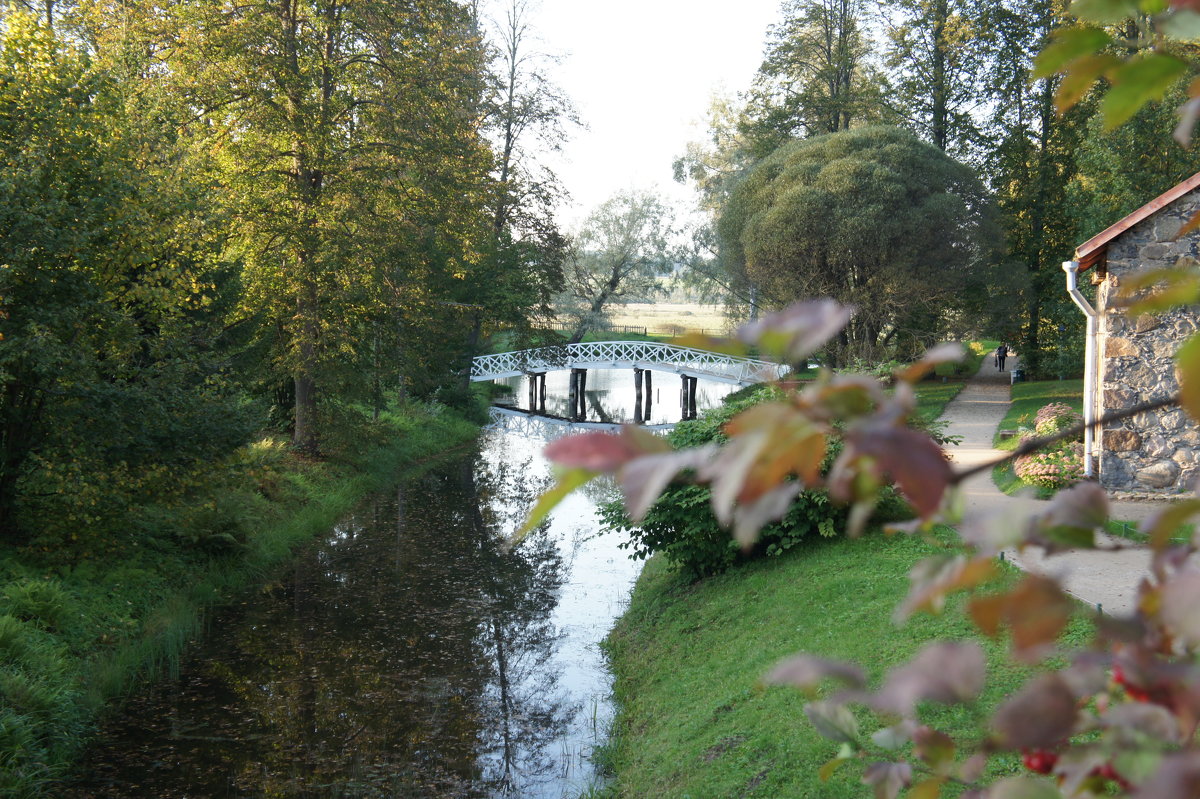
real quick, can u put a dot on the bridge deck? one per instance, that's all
(628, 355)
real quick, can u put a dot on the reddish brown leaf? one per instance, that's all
(1037, 611)
(913, 460)
(793, 446)
(604, 452)
(807, 671)
(1040, 716)
(729, 470)
(933, 579)
(643, 479)
(750, 517)
(945, 671)
(888, 779)
(798, 330)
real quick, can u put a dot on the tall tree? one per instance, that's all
(621, 250)
(873, 218)
(815, 76)
(342, 126)
(1031, 165)
(936, 56)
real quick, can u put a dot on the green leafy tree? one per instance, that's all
(935, 56)
(351, 151)
(874, 218)
(1119, 170)
(621, 250)
(815, 76)
(1030, 166)
(110, 385)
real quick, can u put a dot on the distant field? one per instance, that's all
(671, 317)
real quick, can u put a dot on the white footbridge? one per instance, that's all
(653, 355)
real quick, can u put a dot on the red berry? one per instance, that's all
(1040, 761)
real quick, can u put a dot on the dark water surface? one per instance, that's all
(411, 652)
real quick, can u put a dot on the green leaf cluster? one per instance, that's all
(681, 524)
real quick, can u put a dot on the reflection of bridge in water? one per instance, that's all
(643, 357)
(548, 427)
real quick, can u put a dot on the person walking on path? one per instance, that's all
(1108, 579)
(1001, 354)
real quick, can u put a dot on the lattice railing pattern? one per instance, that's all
(624, 355)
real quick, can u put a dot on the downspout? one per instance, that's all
(1089, 363)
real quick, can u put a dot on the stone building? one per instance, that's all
(1153, 451)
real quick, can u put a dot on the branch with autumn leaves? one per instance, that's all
(1118, 719)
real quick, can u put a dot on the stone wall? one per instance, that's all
(1156, 451)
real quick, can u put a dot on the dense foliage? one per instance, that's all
(216, 222)
(682, 528)
(224, 228)
(960, 75)
(874, 218)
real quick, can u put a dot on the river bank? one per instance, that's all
(77, 636)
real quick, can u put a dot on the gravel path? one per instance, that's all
(1107, 578)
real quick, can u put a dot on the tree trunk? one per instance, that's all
(939, 112)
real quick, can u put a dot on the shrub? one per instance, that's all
(681, 525)
(1054, 468)
(1054, 418)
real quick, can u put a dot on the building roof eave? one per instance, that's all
(1094, 249)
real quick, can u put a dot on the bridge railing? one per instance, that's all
(626, 354)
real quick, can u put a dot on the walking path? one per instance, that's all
(1105, 578)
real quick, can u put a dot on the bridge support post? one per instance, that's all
(637, 396)
(687, 397)
(572, 390)
(537, 391)
(577, 398)
(649, 395)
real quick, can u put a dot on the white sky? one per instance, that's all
(641, 74)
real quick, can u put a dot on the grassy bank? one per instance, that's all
(1027, 399)
(695, 719)
(76, 635)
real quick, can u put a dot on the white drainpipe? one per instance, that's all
(1089, 363)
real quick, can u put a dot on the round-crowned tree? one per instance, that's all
(877, 219)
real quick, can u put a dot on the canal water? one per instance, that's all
(413, 651)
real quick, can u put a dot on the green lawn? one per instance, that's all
(695, 719)
(932, 398)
